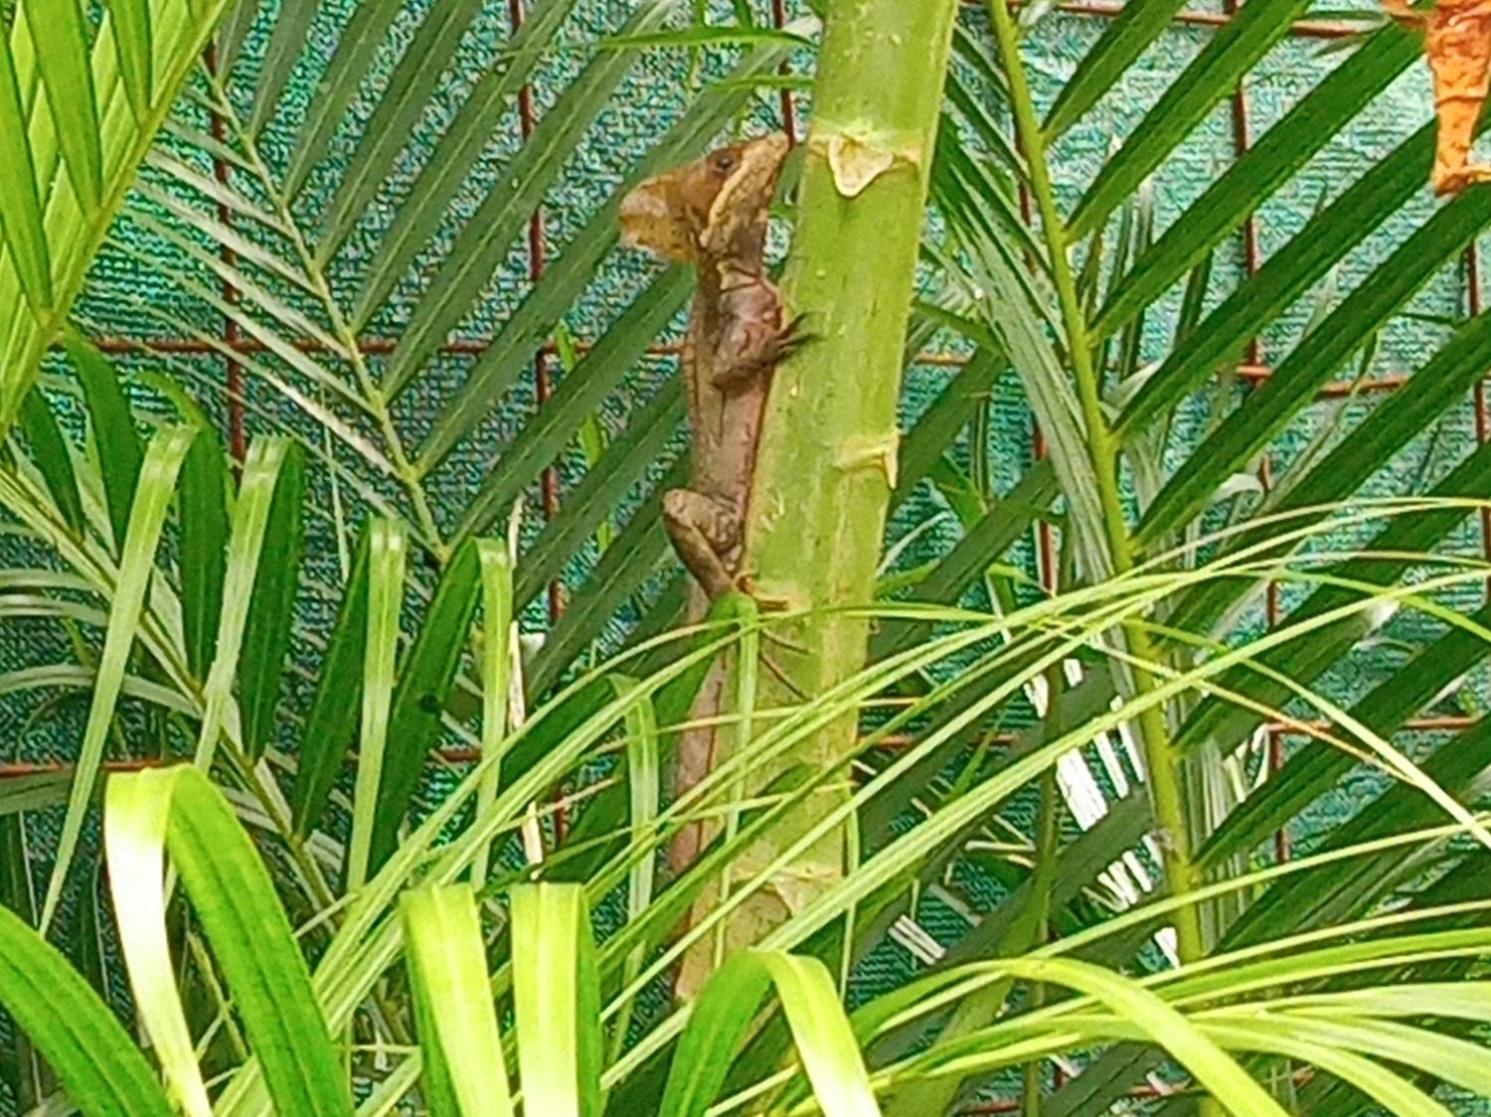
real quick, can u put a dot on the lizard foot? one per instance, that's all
(757, 353)
(793, 337)
(767, 603)
(703, 531)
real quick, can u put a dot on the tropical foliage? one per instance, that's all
(1063, 770)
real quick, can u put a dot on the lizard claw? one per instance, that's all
(793, 337)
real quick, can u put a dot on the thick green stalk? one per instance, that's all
(1161, 758)
(826, 464)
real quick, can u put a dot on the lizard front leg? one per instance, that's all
(704, 532)
(754, 340)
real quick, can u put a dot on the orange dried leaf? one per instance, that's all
(1458, 43)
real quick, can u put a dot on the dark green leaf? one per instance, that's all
(1290, 272)
(235, 32)
(425, 677)
(117, 442)
(356, 49)
(624, 570)
(292, 27)
(533, 323)
(1230, 53)
(1304, 659)
(52, 456)
(331, 723)
(488, 237)
(404, 99)
(625, 463)
(1317, 768)
(1285, 148)
(1304, 371)
(204, 546)
(1325, 895)
(1124, 40)
(454, 155)
(941, 423)
(558, 421)
(266, 637)
(1005, 523)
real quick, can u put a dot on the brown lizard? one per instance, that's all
(713, 214)
(1458, 43)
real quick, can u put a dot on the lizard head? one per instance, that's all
(714, 207)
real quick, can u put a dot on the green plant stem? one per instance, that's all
(826, 463)
(1164, 764)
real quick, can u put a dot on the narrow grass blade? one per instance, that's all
(627, 461)
(556, 993)
(594, 378)
(97, 1062)
(533, 323)
(242, 14)
(453, 1003)
(251, 513)
(424, 683)
(115, 439)
(1401, 1097)
(636, 552)
(387, 555)
(1298, 376)
(152, 500)
(327, 734)
(266, 639)
(235, 902)
(1289, 272)
(496, 674)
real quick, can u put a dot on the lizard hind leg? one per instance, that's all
(705, 532)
